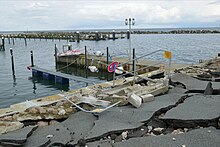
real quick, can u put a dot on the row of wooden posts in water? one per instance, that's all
(71, 37)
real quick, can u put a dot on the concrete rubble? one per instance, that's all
(151, 113)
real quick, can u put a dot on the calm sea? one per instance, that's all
(186, 48)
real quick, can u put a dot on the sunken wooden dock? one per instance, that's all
(58, 77)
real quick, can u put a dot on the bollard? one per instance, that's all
(13, 41)
(3, 43)
(97, 36)
(25, 40)
(107, 53)
(9, 40)
(12, 61)
(86, 57)
(107, 61)
(86, 62)
(77, 37)
(55, 54)
(113, 35)
(32, 59)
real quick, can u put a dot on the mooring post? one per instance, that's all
(107, 61)
(32, 59)
(85, 57)
(3, 43)
(13, 41)
(97, 36)
(86, 62)
(9, 40)
(55, 54)
(113, 35)
(12, 61)
(25, 40)
(134, 66)
(77, 37)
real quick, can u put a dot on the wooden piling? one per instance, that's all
(86, 63)
(113, 35)
(12, 61)
(32, 59)
(97, 36)
(25, 41)
(3, 43)
(13, 41)
(107, 53)
(77, 37)
(55, 54)
(9, 40)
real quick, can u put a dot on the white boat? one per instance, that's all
(70, 53)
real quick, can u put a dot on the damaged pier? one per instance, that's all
(184, 113)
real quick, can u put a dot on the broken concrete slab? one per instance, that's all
(18, 137)
(147, 98)
(127, 117)
(197, 138)
(52, 135)
(113, 120)
(8, 126)
(135, 100)
(196, 107)
(79, 124)
(192, 83)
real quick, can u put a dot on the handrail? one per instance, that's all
(133, 72)
(143, 56)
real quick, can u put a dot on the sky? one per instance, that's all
(31, 15)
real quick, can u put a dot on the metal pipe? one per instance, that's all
(134, 66)
(107, 53)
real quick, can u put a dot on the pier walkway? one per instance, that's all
(57, 76)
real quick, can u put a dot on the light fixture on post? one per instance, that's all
(129, 22)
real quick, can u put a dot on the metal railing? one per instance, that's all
(134, 60)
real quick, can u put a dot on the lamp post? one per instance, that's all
(129, 22)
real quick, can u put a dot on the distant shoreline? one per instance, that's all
(198, 30)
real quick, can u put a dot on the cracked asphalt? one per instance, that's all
(125, 126)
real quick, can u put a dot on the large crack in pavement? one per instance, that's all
(158, 125)
(175, 113)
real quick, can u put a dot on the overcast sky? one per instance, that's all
(20, 15)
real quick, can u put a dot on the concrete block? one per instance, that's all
(135, 100)
(147, 98)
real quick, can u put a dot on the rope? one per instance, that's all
(67, 65)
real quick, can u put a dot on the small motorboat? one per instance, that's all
(70, 53)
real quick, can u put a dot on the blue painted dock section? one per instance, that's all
(58, 77)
